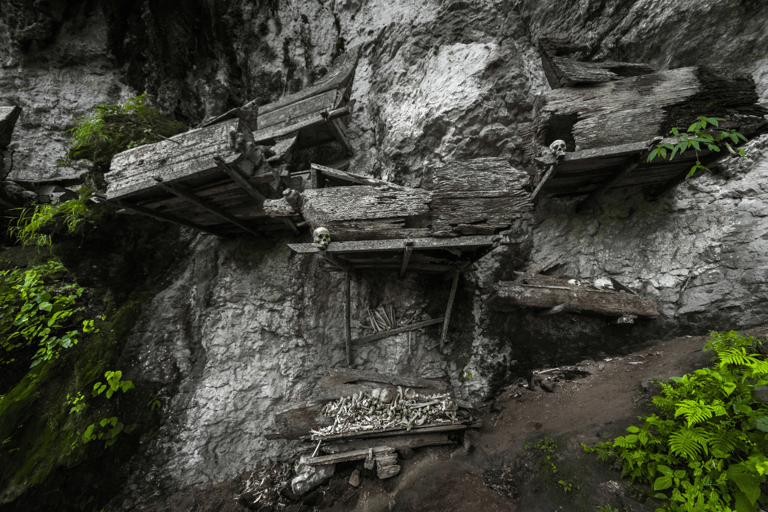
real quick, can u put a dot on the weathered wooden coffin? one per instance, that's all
(543, 292)
(317, 113)
(639, 108)
(196, 163)
(480, 196)
(8, 117)
(562, 71)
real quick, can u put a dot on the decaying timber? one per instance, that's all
(562, 71)
(317, 114)
(560, 295)
(214, 178)
(640, 108)
(474, 197)
(8, 118)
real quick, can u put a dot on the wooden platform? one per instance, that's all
(559, 296)
(423, 255)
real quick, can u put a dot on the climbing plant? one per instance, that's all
(704, 447)
(115, 128)
(696, 136)
(33, 313)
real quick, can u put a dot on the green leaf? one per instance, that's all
(665, 470)
(633, 430)
(661, 483)
(747, 482)
(729, 387)
(653, 154)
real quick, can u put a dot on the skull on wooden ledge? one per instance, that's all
(558, 147)
(321, 237)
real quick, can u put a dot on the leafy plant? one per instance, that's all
(546, 445)
(77, 403)
(108, 429)
(37, 225)
(33, 313)
(115, 128)
(697, 136)
(112, 385)
(704, 447)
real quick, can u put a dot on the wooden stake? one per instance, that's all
(406, 257)
(544, 179)
(347, 316)
(444, 334)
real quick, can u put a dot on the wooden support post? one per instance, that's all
(340, 132)
(406, 256)
(451, 297)
(164, 217)
(252, 191)
(482, 253)
(550, 172)
(590, 202)
(347, 318)
(336, 261)
(180, 191)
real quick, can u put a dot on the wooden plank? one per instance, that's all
(299, 111)
(182, 157)
(182, 192)
(165, 217)
(449, 307)
(514, 294)
(357, 247)
(321, 171)
(339, 76)
(386, 334)
(406, 257)
(348, 456)
(295, 421)
(340, 376)
(347, 319)
(448, 427)
(412, 441)
(8, 118)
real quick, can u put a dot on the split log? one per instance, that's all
(478, 197)
(185, 157)
(562, 71)
(379, 451)
(642, 107)
(8, 117)
(558, 295)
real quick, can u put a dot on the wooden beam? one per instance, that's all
(348, 456)
(340, 132)
(336, 261)
(451, 297)
(406, 256)
(252, 191)
(544, 179)
(474, 259)
(164, 217)
(186, 194)
(398, 442)
(386, 334)
(590, 202)
(396, 244)
(347, 317)
(448, 427)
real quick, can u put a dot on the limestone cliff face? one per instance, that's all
(245, 328)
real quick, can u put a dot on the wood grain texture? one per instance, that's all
(639, 108)
(186, 156)
(361, 247)
(547, 292)
(397, 442)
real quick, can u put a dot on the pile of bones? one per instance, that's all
(386, 409)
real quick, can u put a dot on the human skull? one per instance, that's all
(558, 147)
(322, 237)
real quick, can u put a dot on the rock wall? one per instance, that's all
(245, 327)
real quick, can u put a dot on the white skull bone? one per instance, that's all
(558, 147)
(322, 237)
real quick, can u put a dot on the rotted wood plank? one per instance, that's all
(462, 243)
(386, 334)
(512, 294)
(184, 157)
(180, 191)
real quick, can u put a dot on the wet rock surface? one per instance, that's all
(245, 328)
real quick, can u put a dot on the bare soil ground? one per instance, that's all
(493, 470)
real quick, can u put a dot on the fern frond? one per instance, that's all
(689, 442)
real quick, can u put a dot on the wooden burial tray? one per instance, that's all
(214, 179)
(567, 296)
